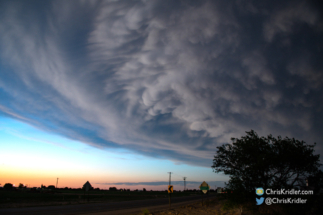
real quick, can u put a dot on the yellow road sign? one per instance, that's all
(170, 188)
(204, 187)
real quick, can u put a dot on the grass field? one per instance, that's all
(60, 197)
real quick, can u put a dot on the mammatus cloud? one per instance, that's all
(284, 19)
(168, 79)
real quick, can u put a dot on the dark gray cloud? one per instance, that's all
(177, 184)
(167, 79)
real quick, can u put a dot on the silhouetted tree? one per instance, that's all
(21, 185)
(8, 186)
(144, 189)
(51, 187)
(254, 161)
(112, 189)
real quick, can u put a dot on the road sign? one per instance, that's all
(204, 187)
(170, 188)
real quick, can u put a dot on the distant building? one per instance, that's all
(219, 190)
(87, 186)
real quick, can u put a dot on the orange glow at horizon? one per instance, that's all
(35, 177)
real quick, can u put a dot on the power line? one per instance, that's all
(179, 175)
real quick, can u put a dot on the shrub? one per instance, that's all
(145, 212)
(7, 186)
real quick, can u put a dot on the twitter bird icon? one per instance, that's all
(260, 201)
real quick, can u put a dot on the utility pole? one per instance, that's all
(184, 183)
(57, 182)
(169, 194)
(170, 173)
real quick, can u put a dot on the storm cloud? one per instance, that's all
(166, 79)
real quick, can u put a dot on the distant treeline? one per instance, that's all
(9, 186)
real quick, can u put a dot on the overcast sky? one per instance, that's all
(167, 80)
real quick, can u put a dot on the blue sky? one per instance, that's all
(120, 90)
(38, 154)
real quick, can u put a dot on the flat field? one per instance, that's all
(9, 199)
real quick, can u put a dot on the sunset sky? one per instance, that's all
(118, 93)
